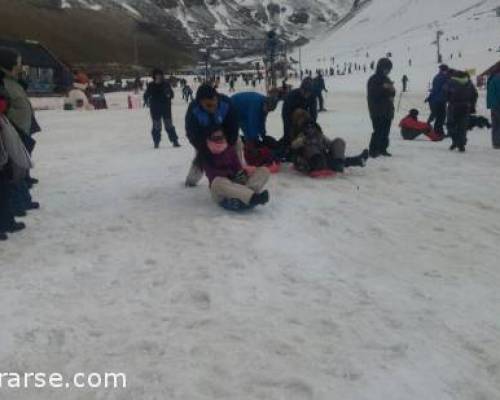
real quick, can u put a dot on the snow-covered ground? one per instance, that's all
(407, 29)
(379, 284)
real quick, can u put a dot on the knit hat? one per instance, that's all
(414, 113)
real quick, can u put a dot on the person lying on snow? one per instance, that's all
(252, 109)
(411, 128)
(232, 186)
(316, 155)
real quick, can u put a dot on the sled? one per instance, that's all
(322, 174)
(235, 205)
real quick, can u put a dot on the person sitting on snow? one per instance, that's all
(301, 98)
(315, 154)
(411, 128)
(209, 110)
(232, 186)
(252, 109)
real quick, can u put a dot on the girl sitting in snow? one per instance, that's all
(316, 155)
(411, 128)
(233, 186)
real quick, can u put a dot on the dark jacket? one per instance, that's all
(319, 85)
(461, 95)
(158, 97)
(199, 123)
(437, 95)
(381, 95)
(224, 165)
(293, 101)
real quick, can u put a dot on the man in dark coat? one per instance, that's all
(301, 98)
(319, 88)
(381, 93)
(437, 100)
(461, 95)
(208, 112)
(158, 97)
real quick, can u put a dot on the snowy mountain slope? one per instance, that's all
(214, 18)
(407, 29)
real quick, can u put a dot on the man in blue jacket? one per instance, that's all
(493, 100)
(208, 111)
(252, 109)
(437, 99)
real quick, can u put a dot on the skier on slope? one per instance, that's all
(158, 97)
(381, 93)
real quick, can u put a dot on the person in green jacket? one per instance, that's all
(493, 102)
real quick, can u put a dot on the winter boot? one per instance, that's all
(15, 227)
(259, 198)
(385, 153)
(359, 161)
(338, 165)
(3, 237)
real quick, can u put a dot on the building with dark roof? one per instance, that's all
(43, 71)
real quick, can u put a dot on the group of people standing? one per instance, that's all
(17, 126)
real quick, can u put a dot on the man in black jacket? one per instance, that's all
(381, 93)
(208, 111)
(301, 98)
(319, 88)
(158, 97)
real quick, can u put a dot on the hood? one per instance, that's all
(383, 64)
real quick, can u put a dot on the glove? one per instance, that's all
(240, 177)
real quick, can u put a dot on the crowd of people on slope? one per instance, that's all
(17, 126)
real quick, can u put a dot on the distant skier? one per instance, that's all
(319, 88)
(437, 100)
(187, 93)
(381, 93)
(404, 81)
(158, 97)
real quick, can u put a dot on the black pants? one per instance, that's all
(457, 128)
(380, 138)
(438, 116)
(321, 101)
(164, 118)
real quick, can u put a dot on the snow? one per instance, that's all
(379, 284)
(131, 9)
(407, 29)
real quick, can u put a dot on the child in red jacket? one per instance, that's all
(411, 128)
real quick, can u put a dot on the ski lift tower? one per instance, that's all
(272, 43)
